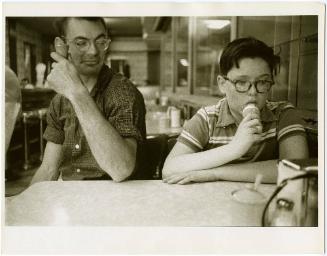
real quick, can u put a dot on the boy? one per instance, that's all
(220, 134)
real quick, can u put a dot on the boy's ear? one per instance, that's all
(221, 84)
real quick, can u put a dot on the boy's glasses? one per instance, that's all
(261, 86)
(83, 44)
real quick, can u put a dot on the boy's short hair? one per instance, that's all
(248, 47)
(60, 24)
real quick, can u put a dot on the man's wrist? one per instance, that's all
(78, 94)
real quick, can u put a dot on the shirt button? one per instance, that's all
(77, 146)
(78, 170)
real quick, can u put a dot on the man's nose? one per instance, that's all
(92, 49)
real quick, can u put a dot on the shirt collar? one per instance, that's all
(225, 117)
(104, 78)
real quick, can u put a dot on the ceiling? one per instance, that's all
(118, 26)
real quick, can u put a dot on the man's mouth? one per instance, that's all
(90, 62)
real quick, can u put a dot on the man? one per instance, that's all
(221, 134)
(96, 122)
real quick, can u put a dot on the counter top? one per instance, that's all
(132, 203)
(192, 100)
(158, 123)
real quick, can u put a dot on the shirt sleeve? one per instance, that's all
(289, 122)
(195, 132)
(54, 131)
(125, 109)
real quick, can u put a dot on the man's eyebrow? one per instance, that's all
(264, 75)
(83, 37)
(80, 37)
(101, 35)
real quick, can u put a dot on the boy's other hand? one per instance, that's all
(184, 178)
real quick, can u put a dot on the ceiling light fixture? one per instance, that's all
(184, 62)
(216, 24)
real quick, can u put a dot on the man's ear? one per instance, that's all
(221, 84)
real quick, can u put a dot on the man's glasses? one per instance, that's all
(261, 86)
(83, 44)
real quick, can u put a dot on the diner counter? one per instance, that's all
(158, 123)
(132, 203)
(153, 127)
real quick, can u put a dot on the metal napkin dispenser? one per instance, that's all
(298, 183)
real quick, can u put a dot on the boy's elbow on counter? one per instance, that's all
(167, 171)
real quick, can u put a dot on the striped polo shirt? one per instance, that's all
(214, 126)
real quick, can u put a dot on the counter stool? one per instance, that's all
(42, 114)
(30, 117)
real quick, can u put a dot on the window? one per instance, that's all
(166, 59)
(295, 40)
(212, 35)
(182, 55)
(29, 62)
(191, 52)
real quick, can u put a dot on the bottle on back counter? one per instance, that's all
(283, 215)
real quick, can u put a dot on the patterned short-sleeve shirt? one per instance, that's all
(214, 126)
(120, 103)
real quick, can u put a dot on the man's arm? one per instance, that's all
(114, 154)
(49, 169)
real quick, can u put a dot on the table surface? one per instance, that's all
(132, 203)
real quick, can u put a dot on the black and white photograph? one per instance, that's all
(163, 128)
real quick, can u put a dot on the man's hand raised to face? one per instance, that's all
(64, 78)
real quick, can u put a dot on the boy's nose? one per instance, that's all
(252, 90)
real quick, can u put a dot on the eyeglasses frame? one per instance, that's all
(67, 41)
(254, 83)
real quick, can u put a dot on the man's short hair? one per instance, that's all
(60, 24)
(248, 47)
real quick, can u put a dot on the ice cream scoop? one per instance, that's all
(252, 108)
(249, 109)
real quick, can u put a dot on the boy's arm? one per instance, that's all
(49, 169)
(293, 147)
(183, 158)
(245, 172)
